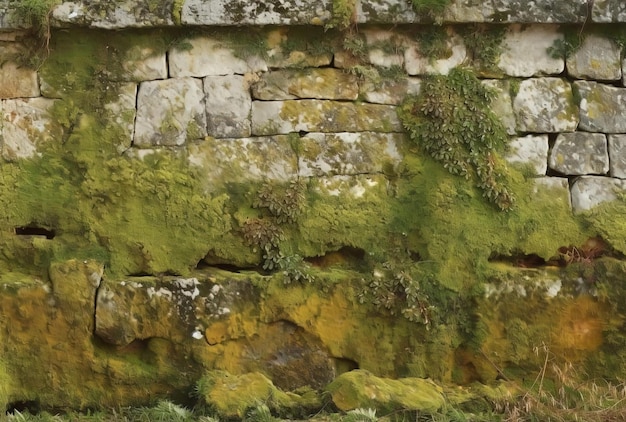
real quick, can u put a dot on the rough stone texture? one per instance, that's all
(279, 117)
(502, 104)
(590, 191)
(264, 12)
(114, 15)
(384, 11)
(228, 105)
(606, 11)
(391, 55)
(597, 58)
(144, 64)
(417, 64)
(348, 153)
(558, 188)
(25, 124)
(545, 105)
(169, 112)
(540, 11)
(210, 57)
(389, 92)
(123, 112)
(531, 150)
(327, 83)
(525, 51)
(244, 159)
(580, 153)
(602, 107)
(299, 56)
(16, 81)
(361, 389)
(617, 156)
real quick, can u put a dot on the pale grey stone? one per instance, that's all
(280, 117)
(326, 154)
(385, 11)
(245, 159)
(545, 105)
(580, 153)
(169, 112)
(389, 92)
(606, 11)
(385, 48)
(502, 104)
(468, 11)
(327, 83)
(144, 64)
(114, 15)
(16, 81)
(531, 150)
(25, 125)
(617, 156)
(558, 187)
(591, 191)
(122, 112)
(540, 11)
(228, 105)
(597, 58)
(261, 12)
(416, 63)
(210, 57)
(602, 107)
(525, 51)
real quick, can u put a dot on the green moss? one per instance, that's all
(484, 44)
(431, 8)
(344, 14)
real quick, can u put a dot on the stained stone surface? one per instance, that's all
(607, 11)
(590, 191)
(602, 107)
(327, 83)
(525, 51)
(389, 92)
(558, 187)
(580, 153)
(16, 81)
(597, 58)
(114, 15)
(617, 155)
(122, 111)
(228, 106)
(532, 150)
(502, 104)
(416, 63)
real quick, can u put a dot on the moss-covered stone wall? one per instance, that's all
(275, 206)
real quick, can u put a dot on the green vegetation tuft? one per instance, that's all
(431, 8)
(344, 14)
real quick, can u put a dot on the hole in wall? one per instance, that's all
(32, 230)
(343, 365)
(31, 406)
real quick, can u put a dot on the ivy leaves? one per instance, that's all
(451, 121)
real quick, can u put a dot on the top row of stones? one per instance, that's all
(137, 13)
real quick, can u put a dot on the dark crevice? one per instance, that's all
(22, 406)
(345, 256)
(231, 268)
(32, 230)
(522, 260)
(343, 365)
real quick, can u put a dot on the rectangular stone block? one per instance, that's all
(580, 153)
(416, 63)
(525, 51)
(602, 107)
(591, 191)
(389, 92)
(502, 104)
(327, 83)
(122, 112)
(281, 117)
(531, 150)
(597, 58)
(545, 105)
(617, 156)
(228, 106)
(16, 81)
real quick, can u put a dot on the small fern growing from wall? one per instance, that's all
(451, 121)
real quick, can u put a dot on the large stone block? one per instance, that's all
(617, 156)
(502, 104)
(287, 49)
(114, 15)
(525, 51)
(545, 105)
(417, 63)
(26, 124)
(597, 58)
(580, 153)
(602, 107)
(591, 191)
(558, 187)
(606, 11)
(16, 81)
(389, 92)
(385, 11)
(531, 150)
(228, 105)
(348, 153)
(327, 83)
(144, 64)
(210, 57)
(122, 112)
(263, 12)
(540, 11)
(280, 117)
(169, 112)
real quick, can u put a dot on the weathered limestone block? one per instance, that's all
(26, 124)
(74, 285)
(287, 49)
(16, 81)
(228, 105)
(617, 156)
(416, 63)
(602, 107)
(531, 150)
(276, 117)
(393, 52)
(590, 191)
(468, 11)
(123, 112)
(348, 153)
(361, 389)
(389, 92)
(210, 57)
(385, 11)
(580, 153)
(558, 188)
(245, 159)
(114, 15)
(327, 83)
(144, 64)
(169, 112)
(264, 12)
(545, 105)
(525, 51)
(502, 104)
(540, 11)
(597, 58)
(606, 11)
